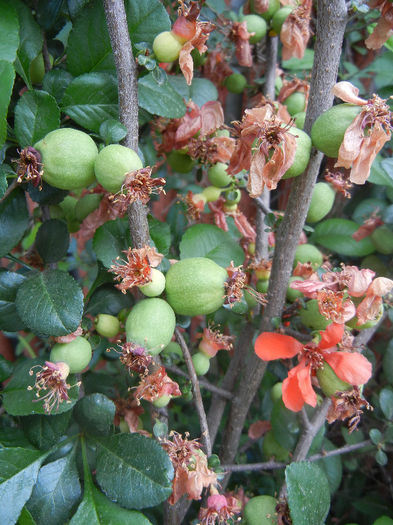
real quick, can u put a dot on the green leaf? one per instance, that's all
(11, 437)
(91, 99)
(207, 240)
(146, 19)
(160, 232)
(112, 131)
(36, 114)
(52, 240)
(285, 425)
(9, 31)
(18, 473)
(56, 492)
(6, 368)
(5, 171)
(30, 37)
(9, 285)
(386, 402)
(381, 172)
(26, 518)
(14, 219)
(95, 414)
(50, 303)
(336, 235)
(219, 6)
(90, 33)
(110, 240)
(47, 194)
(331, 466)
(201, 90)
(375, 436)
(56, 82)
(381, 458)
(308, 493)
(45, 431)
(300, 63)
(388, 363)
(7, 75)
(133, 470)
(160, 99)
(19, 401)
(108, 300)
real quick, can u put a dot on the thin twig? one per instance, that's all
(205, 436)
(10, 188)
(260, 203)
(202, 382)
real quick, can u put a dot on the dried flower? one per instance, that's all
(29, 166)
(295, 31)
(349, 404)
(220, 509)
(156, 385)
(186, 63)
(69, 337)
(136, 271)
(340, 182)
(368, 226)
(135, 358)
(241, 37)
(213, 341)
(241, 222)
(384, 27)
(334, 306)
(195, 204)
(138, 186)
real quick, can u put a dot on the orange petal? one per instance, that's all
(304, 380)
(270, 346)
(331, 336)
(292, 393)
(350, 367)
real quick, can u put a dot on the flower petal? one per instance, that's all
(351, 367)
(293, 395)
(212, 117)
(348, 93)
(331, 336)
(380, 286)
(304, 380)
(270, 346)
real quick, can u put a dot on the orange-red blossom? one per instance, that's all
(351, 367)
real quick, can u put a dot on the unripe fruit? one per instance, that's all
(329, 382)
(201, 363)
(37, 69)
(180, 162)
(68, 157)
(112, 165)
(278, 85)
(235, 83)
(276, 392)
(251, 248)
(328, 130)
(279, 18)
(173, 348)
(311, 316)
(261, 510)
(257, 25)
(271, 448)
(293, 294)
(322, 201)
(107, 325)
(198, 197)
(167, 46)
(262, 274)
(162, 401)
(295, 103)
(250, 299)
(308, 253)
(300, 119)
(222, 133)
(151, 324)
(218, 176)
(76, 354)
(302, 155)
(86, 205)
(382, 239)
(240, 307)
(353, 323)
(383, 520)
(156, 286)
(229, 207)
(262, 286)
(195, 286)
(212, 193)
(232, 197)
(274, 5)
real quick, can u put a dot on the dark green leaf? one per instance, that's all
(5, 171)
(11, 437)
(201, 90)
(285, 425)
(90, 34)
(381, 174)
(381, 458)
(45, 431)
(18, 473)
(95, 414)
(9, 284)
(219, 6)
(388, 363)
(75, 6)
(90, 99)
(133, 470)
(47, 194)
(48, 13)
(5, 369)
(9, 31)
(146, 19)
(26, 518)
(50, 303)
(7, 75)
(160, 99)
(336, 235)
(52, 240)
(110, 240)
(332, 467)
(14, 219)
(30, 37)
(19, 401)
(160, 232)
(112, 131)
(56, 82)
(300, 63)
(386, 402)
(56, 492)
(308, 493)
(207, 240)
(108, 300)
(375, 436)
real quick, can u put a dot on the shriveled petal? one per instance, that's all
(186, 62)
(190, 124)
(293, 40)
(382, 31)
(212, 117)
(348, 93)
(350, 367)
(255, 179)
(380, 286)
(331, 336)
(292, 393)
(270, 346)
(309, 287)
(281, 160)
(258, 429)
(244, 227)
(351, 144)
(369, 309)
(225, 148)
(243, 49)
(349, 311)
(241, 158)
(219, 215)
(260, 6)
(359, 280)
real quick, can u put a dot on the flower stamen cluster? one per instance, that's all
(136, 270)
(29, 167)
(156, 385)
(138, 186)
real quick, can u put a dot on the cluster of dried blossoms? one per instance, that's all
(235, 285)
(156, 385)
(384, 27)
(295, 31)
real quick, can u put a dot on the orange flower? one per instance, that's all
(213, 341)
(351, 367)
(295, 31)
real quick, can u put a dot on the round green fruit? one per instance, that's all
(302, 155)
(382, 239)
(271, 448)
(262, 285)
(257, 25)
(276, 392)
(308, 253)
(278, 85)
(156, 285)
(261, 510)
(295, 103)
(279, 18)
(195, 286)
(232, 197)
(311, 316)
(107, 325)
(274, 5)
(173, 348)
(68, 157)
(162, 401)
(322, 201)
(166, 47)
(76, 354)
(151, 324)
(235, 83)
(180, 162)
(86, 205)
(383, 520)
(112, 165)
(212, 193)
(218, 176)
(329, 382)
(300, 119)
(201, 363)
(293, 294)
(240, 307)
(328, 130)
(250, 299)
(222, 133)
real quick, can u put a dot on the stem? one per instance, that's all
(10, 188)
(202, 382)
(27, 346)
